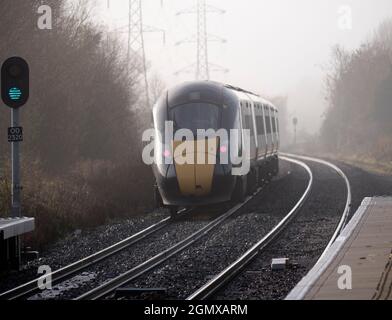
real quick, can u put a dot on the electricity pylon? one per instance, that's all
(136, 53)
(136, 48)
(202, 64)
(202, 38)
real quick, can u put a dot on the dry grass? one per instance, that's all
(368, 163)
(90, 195)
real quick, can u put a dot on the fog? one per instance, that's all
(81, 163)
(273, 47)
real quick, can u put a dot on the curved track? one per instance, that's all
(344, 220)
(158, 259)
(214, 284)
(230, 272)
(118, 282)
(221, 279)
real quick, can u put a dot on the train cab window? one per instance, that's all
(194, 116)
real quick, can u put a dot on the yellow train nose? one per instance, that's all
(195, 164)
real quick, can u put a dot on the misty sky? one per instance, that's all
(278, 47)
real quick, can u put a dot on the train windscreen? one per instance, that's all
(196, 116)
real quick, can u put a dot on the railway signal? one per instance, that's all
(15, 88)
(295, 123)
(15, 82)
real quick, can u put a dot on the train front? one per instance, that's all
(196, 127)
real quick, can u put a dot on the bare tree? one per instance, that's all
(82, 140)
(359, 87)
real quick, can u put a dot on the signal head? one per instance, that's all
(15, 82)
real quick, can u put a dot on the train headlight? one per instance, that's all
(167, 154)
(223, 149)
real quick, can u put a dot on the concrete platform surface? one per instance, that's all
(358, 265)
(13, 227)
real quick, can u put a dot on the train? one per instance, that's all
(251, 124)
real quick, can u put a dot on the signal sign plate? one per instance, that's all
(15, 134)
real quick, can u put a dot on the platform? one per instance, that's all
(363, 249)
(14, 227)
(10, 245)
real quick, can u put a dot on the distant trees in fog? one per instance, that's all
(81, 99)
(359, 86)
(81, 154)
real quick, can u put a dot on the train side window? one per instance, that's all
(252, 128)
(268, 119)
(249, 124)
(243, 112)
(260, 125)
(236, 136)
(261, 120)
(274, 124)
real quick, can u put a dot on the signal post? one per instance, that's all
(15, 94)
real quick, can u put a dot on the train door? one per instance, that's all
(273, 124)
(272, 120)
(261, 137)
(263, 115)
(268, 129)
(254, 130)
(247, 123)
(277, 130)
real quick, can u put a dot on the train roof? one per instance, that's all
(210, 88)
(245, 95)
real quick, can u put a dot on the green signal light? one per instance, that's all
(15, 94)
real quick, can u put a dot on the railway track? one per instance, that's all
(30, 288)
(217, 282)
(346, 212)
(158, 259)
(111, 286)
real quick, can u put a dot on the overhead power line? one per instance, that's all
(202, 38)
